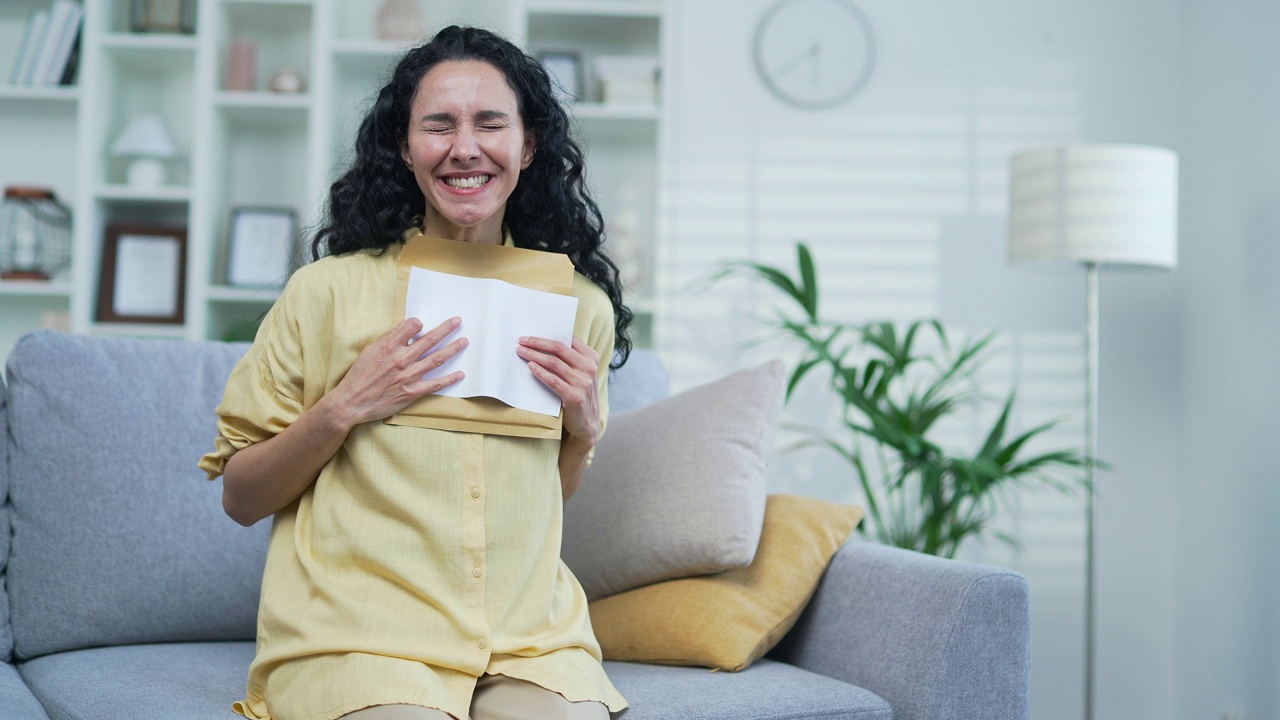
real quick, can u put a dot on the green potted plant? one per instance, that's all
(919, 494)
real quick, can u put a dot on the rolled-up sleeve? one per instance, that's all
(264, 392)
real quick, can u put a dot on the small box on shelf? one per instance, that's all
(627, 79)
(162, 16)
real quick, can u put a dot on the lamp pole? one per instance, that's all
(1090, 452)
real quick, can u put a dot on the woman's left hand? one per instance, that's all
(571, 372)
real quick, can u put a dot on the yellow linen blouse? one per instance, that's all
(419, 559)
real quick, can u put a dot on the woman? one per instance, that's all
(415, 573)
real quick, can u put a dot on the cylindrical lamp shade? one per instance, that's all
(1095, 203)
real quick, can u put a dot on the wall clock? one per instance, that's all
(813, 54)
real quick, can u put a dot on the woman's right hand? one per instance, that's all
(266, 476)
(387, 375)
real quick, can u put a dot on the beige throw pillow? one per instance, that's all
(677, 488)
(730, 620)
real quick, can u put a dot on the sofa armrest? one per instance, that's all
(938, 639)
(16, 700)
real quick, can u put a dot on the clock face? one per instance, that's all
(814, 54)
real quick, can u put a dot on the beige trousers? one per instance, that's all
(497, 697)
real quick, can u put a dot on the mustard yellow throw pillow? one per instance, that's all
(729, 620)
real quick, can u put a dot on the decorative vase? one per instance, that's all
(400, 20)
(242, 65)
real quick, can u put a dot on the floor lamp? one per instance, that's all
(1093, 205)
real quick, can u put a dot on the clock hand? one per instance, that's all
(815, 52)
(794, 62)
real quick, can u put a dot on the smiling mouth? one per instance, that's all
(468, 183)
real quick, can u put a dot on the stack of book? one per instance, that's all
(50, 46)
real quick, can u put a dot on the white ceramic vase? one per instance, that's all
(400, 20)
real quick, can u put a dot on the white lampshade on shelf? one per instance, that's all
(147, 141)
(1093, 205)
(1106, 204)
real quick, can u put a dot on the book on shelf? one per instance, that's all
(29, 48)
(49, 44)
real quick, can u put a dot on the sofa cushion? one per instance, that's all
(768, 690)
(678, 487)
(117, 536)
(174, 681)
(6, 635)
(730, 620)
(200, 680)
(16, 699)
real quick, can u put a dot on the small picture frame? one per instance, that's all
(144, 274)
(565, 69)
(260, 246)
(162, 16)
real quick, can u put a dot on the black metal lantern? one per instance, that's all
(35, 234)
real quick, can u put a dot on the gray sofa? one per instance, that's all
(128, 593)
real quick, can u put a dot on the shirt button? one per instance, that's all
(482, 643)
(475, 492)
(477, 572)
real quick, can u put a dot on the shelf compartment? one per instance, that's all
(280, 33)
(271, 3)
(260, 107)
(35, 288)
(230, 294)
(594, 8)
(146, 49)
(369, 49)
(166, 194)
(614, 111)
(138, 330)
(40, 93)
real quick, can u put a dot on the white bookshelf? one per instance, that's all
(266, 149)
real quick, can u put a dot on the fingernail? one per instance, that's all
(455, 322)
(462, 342)
(524, 339)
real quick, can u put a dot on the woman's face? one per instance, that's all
(466, 146)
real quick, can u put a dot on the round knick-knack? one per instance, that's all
(286, 81)
(400, 20)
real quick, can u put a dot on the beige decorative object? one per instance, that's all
(286, 81)
(399, 20)
(242, 65)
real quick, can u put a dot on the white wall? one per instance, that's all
(901, 193)
(1228, 639)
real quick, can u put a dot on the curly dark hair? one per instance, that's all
(551, 209)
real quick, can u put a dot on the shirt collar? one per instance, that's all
(507, 239)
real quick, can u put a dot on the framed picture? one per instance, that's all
(565, 69)
(260, 246)
(163, 16)
(144, 274)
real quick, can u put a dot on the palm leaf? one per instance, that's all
(808, 281)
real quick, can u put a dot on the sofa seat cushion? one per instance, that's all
(171, 680)
(200, 680)
(16, 700)
(768, 690)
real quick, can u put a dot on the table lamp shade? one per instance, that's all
(144, 136)
(1105, 204)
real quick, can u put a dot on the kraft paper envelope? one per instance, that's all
(533, 269)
